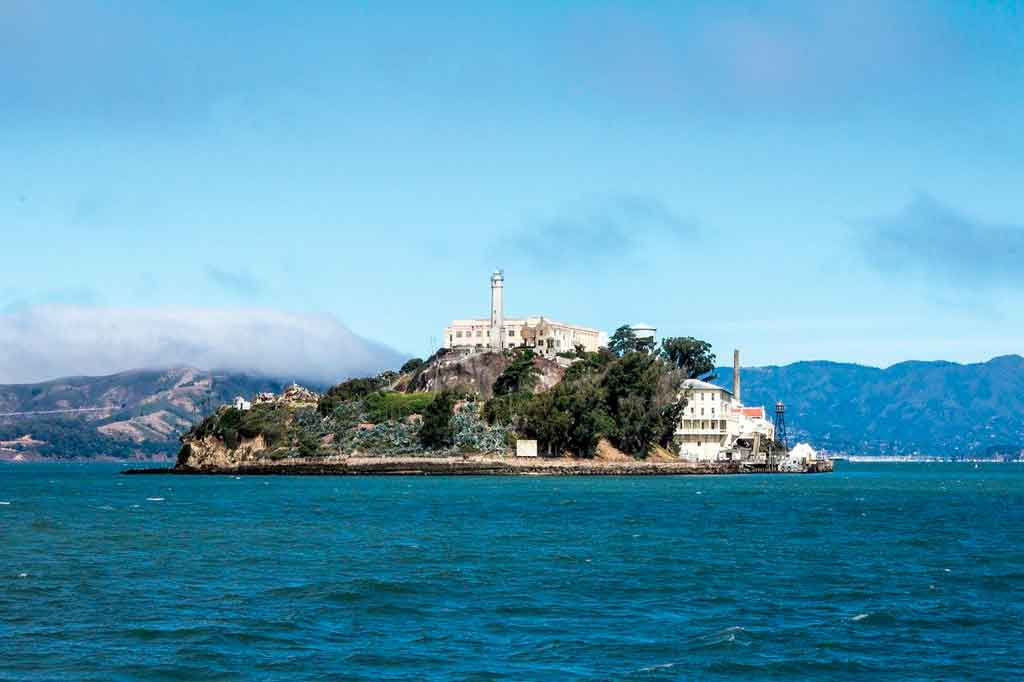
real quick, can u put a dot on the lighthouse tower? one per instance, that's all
(497, 310)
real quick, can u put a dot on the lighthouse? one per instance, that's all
(497, 311)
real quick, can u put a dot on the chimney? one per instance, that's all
(736, 375)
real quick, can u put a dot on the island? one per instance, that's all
(624, 408)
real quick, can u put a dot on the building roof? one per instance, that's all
(691, 384)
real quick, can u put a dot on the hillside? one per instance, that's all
(936, 408)
(136, 414)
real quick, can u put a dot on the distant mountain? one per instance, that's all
(137, 414)
(933, 408)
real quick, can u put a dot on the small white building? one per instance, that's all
(242, 404)
(713, 420)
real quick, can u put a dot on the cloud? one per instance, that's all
(728, 58)
(238, 283)
(617, 227)
(930, 240)
(50, 341)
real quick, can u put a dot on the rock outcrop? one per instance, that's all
(209, 453)
(475, 372)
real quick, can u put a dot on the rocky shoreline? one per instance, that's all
(476, 466)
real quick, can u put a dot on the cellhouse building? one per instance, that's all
(498, 333)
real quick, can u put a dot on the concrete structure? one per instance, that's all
(498, 333)
(242, 404)
(526, 448)
(736, 374)
(644, 332)
(715, 425)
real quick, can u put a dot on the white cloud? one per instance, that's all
(49, 341)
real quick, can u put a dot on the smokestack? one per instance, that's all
(736, 374)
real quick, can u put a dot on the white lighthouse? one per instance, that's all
(497, 310)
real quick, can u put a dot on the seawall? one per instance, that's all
(479, 466)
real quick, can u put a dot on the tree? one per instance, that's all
(411, 365)
(547, 423)
(519, 376)
(692, 356)
(436, 431)
(353, 389)
(641, 394)
(567, 418)
(623, 341)
(591, 364)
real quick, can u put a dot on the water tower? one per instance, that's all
(780, 425)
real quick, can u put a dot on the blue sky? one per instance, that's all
(835, 180)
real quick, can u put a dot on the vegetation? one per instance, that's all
(505, 409)
(624, 341)
(353, 389)
(692, 356)
(391, 406)
(568, 418)
(626, 394)
(519, 376)
(436, 432)
(231, 425)
(411, 365)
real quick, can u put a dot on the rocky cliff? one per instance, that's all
(474, 372)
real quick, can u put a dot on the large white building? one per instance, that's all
(498, 333)
(715, 425)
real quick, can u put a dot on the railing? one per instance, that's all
(694, 430)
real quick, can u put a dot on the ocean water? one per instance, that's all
(882, 572)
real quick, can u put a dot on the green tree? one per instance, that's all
(346, 391)
(622, 341)
(545, 421)
(411, 365)
(568, 418)
(436, 431)
(591, 364)
(642, 398)
(692, 356)
(519, 376)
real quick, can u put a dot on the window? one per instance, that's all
(511, 332)
(702, 411)
(478, 333)
(458, 335)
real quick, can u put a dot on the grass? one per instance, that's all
(381, 407)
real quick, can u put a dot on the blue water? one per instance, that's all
(883, 572)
